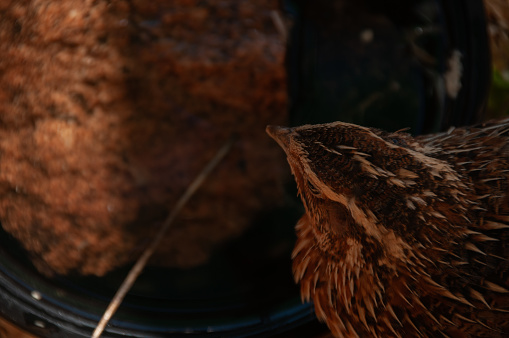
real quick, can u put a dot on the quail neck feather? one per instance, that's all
(403, 236)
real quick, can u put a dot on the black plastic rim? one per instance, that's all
(245, 290)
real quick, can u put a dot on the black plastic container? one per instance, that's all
(379, 64)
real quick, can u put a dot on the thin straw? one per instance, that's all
(142, 261)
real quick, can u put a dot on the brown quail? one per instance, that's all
(403, 236)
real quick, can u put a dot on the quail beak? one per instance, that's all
(281, 135)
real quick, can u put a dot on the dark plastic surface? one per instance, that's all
(396, 79)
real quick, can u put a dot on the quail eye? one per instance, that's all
(399, 142)
(313, 189)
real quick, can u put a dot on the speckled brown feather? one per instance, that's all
(403, 236)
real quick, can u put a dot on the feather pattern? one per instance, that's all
(403, 236)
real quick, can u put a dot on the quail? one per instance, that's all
(403, 236)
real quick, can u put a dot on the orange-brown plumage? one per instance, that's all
(403, 236)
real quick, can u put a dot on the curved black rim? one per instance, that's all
(245, 290)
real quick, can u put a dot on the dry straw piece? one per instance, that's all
(142, 261)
